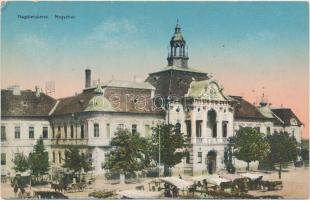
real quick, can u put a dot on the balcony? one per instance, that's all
(83, 141)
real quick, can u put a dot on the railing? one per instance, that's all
(80, 141)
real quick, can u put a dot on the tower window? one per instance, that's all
(188, 128)
(198, 128)
(224, 129)
(96, 130)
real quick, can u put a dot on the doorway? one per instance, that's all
(211, 162)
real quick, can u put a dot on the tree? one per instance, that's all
(283, 148)
(77, 161)
(130, 153)
(228, 154)
(20, 163)
(38, 159)
(173, 146)
(249, 145)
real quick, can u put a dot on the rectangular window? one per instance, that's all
(134, 128)
(66, 131)
(31, 132)
(3, 133)
(3, 159)
(96, 130)
(224, 129)
(59, 157)
(45, 132)
(71, 131)
(188, 128)
(17, 132)
(198, 128)
(120, 126)
(53, 132)
(147, 129)
(82, 131)
(108, 130)
(199, 157)
(268, 130)
(54, 157)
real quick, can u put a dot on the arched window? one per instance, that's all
(212, 122)
(178, 128)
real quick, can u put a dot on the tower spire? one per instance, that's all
(178, 54)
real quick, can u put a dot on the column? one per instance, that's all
(204, 126)
(219, 130)
(193, 126)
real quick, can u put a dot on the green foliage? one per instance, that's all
(20, 163)
(172, 146)
(38, 159)
(304, 153)
(250, 145)
(130, 153)
(228, 159)
(76, 161)
(283, 148)
(305, 144)
(102, 194)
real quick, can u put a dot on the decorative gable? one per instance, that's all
(207, 89)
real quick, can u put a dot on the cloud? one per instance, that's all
(113, 34)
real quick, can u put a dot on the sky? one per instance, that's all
(250, 47)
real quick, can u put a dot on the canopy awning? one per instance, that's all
(251, 176)
(179, 183)
(217, 180)
(140, 194)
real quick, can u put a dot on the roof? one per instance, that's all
(174, 81)
(246, 110)
(26, 104)
(121, 99)
(286, 115)
(125, 84)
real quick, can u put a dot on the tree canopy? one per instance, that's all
(249, 145)
(130, 153)
(76, 161)
(283, 148)
(38, 159)
(172, 146)
(20, 163)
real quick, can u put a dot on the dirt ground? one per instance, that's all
(295, 185)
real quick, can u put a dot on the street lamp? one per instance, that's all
(159, 152)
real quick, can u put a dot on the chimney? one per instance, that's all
(87, 78)
(38, 92)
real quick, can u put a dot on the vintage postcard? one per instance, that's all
(154, 100)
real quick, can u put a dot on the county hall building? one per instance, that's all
(178, 94)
